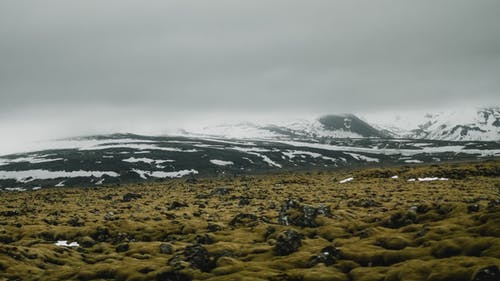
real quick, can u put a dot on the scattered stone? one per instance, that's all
(9, 213)
(76, 221)
(203, 239)
(199, 258)
(176, 205)
(328, 256)
(213, 227)
(101, 235)
(422, 208)
(122, 248)
(166, 248)
(131, 196)
(294, 213)
(244, 201)
(490, 273)
(269, 231)
(474, 208)
(288, 242)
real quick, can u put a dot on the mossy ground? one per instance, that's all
(381, 228)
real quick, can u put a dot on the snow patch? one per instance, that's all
(64, 243)
(30, 175)
(362, 157)
(346, 180)
(161, 174)
(221, 162)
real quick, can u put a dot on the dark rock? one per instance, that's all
(9, 213)
(493, 203)
(294, 213)
(444, 209)
(422, 209)
(269, 231)
(131, 196)
(328, 256)
(244, 219)
(203, 239)
(122, 248)
(166, 249)
(101, 234)
(288, 242)
(213, 227)
(199, 258)
(76, 221)
(176, 205)
(474, 208)
(490, 273)
(6, 239)
(244, 201)
(176, 262)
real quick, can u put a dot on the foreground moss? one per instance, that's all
(295, 226)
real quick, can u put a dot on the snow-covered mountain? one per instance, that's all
(457, 125)
(465, 125)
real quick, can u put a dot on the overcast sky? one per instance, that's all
(79, 66)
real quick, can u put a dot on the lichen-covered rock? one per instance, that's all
(327, 255)
(198, 257)
(288, 242)
(166, 248)
(490, 273)
(294, 213)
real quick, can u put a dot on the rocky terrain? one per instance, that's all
(435, 222)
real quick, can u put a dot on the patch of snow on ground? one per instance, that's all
(221, 162)
(415, 161)
(346, 180)
(137, 147)
(362, 157)
(30, 175)
(292, 153)
(146, 160)
(394, 177)
(64, 243)
(15, 189)
(432, 179)
(161, 174)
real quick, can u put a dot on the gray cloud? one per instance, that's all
(185, 58)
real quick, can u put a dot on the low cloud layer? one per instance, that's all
(181, 59)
